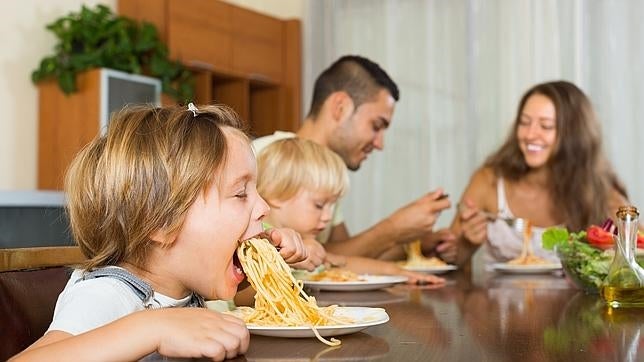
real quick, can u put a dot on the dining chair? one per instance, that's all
(30, 281)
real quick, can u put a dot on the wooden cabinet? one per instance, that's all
(247, 60)
(69, 122)
(198, 32)
(66, 124)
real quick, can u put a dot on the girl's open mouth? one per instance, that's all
(237, 266)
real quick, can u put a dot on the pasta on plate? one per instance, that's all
(334, 275)
(280, 299)
(416, 259)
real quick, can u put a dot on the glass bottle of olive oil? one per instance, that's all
(624, 284)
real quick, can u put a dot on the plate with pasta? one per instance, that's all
(526, 268)
(417, 262)
(363, 282)
(355, 319)
(282, 306)
(527, 262)
(430, 269)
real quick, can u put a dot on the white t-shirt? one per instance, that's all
(338, 218)
(92, 303)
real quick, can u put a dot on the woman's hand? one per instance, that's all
(473, 223)
(289, 243)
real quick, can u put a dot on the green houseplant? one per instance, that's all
(95, 38)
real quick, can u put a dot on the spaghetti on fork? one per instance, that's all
(527, 256)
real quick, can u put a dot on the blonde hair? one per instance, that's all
(289, 165)
(142, 176)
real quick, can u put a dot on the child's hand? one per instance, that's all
(317, 255)
(289, 243)
(199, 332)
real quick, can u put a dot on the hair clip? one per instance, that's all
(191, 107)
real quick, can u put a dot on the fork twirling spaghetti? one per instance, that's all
(527, 256)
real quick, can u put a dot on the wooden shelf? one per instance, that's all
(247, 60)
(234, 93)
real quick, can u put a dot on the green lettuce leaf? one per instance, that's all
(553, 237)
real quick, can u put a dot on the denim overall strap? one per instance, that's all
(196, 301)
(142, 289)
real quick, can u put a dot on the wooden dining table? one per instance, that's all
(476, 316)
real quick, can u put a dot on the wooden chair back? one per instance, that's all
(39, 257)
(30, 281)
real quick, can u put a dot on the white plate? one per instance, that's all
(439, 269)
(526, 269)
(363, 316)
(370, 282)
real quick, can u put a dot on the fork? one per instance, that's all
(516, 223)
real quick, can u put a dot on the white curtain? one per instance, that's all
(462, 66)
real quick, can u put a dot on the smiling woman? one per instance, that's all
(551, 170)
(536, 130)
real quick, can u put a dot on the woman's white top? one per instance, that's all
(504, 243)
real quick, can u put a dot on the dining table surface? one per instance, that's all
(476, 316)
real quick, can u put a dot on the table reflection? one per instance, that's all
(355, 347)
(587, 322)
(374, 298)
(494, 317)
(513, 313)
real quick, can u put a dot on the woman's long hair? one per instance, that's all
(582, 178)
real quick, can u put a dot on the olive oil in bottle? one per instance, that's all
(623, 296)
(624, 284)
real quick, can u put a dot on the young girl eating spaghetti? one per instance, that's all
(302, 180)
(158, 206)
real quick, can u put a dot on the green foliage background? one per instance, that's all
(94, 38)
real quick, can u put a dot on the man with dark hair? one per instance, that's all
(352, 107)
(359, 77)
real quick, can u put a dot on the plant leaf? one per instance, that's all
(67, 81)
(96, 37)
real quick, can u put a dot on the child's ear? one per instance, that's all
(162, 237)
